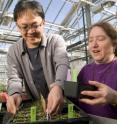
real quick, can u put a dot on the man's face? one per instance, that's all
(31, 27)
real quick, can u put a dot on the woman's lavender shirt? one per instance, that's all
(104, 73)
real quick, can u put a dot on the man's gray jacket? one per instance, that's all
(54, 62)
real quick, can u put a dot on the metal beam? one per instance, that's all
(69, 16)
(59, 26)
(5, 9)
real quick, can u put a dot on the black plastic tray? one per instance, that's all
(81, 120)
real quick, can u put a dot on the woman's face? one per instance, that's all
(100, 45)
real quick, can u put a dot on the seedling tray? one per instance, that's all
(31, 112)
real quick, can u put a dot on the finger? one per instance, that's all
(92, 93)
(49, 104)
(59, 108)
(56, 111)
(54, 106)
(18, 102)
(92, 101)
(17, 99)
(95, 83)
(11, 105)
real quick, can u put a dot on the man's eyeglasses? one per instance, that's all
(32, 26)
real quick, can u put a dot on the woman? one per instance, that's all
(102, 72)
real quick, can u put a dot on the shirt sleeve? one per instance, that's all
(61, 62)
(13, 73)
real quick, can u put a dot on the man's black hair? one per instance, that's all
(24, 5)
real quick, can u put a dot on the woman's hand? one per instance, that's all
(55, 100)
(103, 95)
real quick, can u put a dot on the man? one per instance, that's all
(38, 60)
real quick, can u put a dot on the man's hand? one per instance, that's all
(55, 100)
(3, 97)
(104, 94)
(13, 103)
